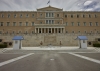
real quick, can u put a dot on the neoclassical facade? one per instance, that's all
(47, 23)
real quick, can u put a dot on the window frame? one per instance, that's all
(26, 24)
(8, 24)
(14, 23)
(20, 23)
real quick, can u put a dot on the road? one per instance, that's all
(51, 61)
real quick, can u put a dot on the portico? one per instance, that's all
(50, 30)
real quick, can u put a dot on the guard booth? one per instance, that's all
(17, 42)
(82, 41)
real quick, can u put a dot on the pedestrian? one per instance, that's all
(41, 43)
(60, 43)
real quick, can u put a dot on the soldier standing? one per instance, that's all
(60, 43)
(41, 44)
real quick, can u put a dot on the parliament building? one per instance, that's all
(49, 25)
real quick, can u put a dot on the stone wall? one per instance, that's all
(47, 39)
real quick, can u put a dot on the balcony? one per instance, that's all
(49, 25)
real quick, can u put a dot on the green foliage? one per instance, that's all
(3, 45)
(96, 45)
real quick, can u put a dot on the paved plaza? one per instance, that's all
(50, 58)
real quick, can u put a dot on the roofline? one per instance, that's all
(54, 11)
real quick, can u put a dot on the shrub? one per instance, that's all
(3, 46)
(96, 45)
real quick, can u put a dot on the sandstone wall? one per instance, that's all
(47, 39)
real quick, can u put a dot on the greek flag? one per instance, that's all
(48, 2)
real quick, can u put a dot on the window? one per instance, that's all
(95, 16)
(90, 23)
(49, 21)
(84, 23)
(26, 32)
(40, 15)
(0, 32)
(33, 15)
(77, 16)
(97, 32)
(40, 22)
(91, 32)
(89, 16)
(1, 23)
(2, 16)
(14, 15)
(83, 16)
(21, 16)
(50, 14)
(58, 22)
(14, 23)
(78, 24)
(7, 32)
(26, 15)
(19, 32)
(26, 23)
(46, 21)
(78, 31)
(83, 41)
(66, 24)
(65, 16)
(20, 23)
(72, 31)
(32, 23)
(52, 21)
(16, 42)
(57, 15)
(8, 23)
(96, 23)
(71, 16)
(8, 15)
(13, 32)
(72, 23)
(85, 32)
(46, 14)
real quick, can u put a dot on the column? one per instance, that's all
(60, 30)
(54, 30)
(41, 30)
(48, 30)
(35, 30)
(51, 30)
(57, 30)
(48, 14)
(38, 30)
(63, 30)
(44, 30)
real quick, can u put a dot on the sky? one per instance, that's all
(66, 5)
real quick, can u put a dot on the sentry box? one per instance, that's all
(82, 41)
(17, 42)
